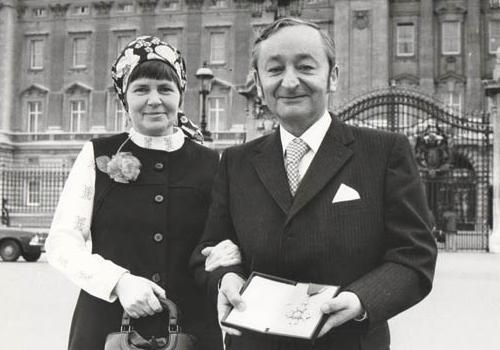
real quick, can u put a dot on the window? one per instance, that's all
(39, 12)
(34, 115)
(217, 47)
(172, 39)
(126, 8)
(77, 113)
(216, 113)
(450, 38)
(218, 4)
(494, 38)
(405, 36)
(121, 42)
(33, 191)
(453, 100)
(171, 5)
(80, 10)
(120, 122)
(36, 53)
(79, 52)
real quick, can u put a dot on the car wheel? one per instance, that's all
(10, 250)
(31, 257)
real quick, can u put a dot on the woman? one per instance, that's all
(141, 198)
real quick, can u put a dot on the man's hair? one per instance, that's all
(274, 27)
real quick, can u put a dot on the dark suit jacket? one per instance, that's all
(379, 247)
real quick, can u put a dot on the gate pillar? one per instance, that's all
(492, 88)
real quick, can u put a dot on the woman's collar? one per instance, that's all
(168, 143)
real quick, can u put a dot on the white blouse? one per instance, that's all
(68, 245)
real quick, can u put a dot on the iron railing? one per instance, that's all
(453, 152)
(30, 193)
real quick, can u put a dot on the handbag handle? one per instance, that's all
(168, 305)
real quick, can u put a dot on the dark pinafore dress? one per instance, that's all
(150, 227)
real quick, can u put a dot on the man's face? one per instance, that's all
(293, 75)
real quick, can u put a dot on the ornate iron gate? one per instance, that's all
(453, 152)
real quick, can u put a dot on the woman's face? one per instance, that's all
(153, 105)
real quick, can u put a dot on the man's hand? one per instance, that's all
(139, 296)
(344, 307)
(226, 253)
(229, 296)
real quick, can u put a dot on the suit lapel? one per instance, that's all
(271, 170)
(332, 155)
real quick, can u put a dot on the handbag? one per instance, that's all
(128, 338)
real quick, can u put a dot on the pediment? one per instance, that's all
(407, 79)
(451, 76)
(77, 87)
(35, 90)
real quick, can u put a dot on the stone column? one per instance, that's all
(56, 74)
(492, 88)
(426, 46)
(101, 70)
(147, 16)
(362, 46)
(8, 19)
(473, 55)
(193, 56)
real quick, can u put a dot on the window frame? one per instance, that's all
(449, 102)
(219, 120)
(459, 39)
(399, 39)
(80, 115)
(120, 36)
(39, 12)
(38, 193)
(77, 10)
(32, 53)
(497, 21)
(175, 34)
(212, 59)
(37, 115)
(74, 53)
(119, 117)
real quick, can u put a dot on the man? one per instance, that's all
(319, 201)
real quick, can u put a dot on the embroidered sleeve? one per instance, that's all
(69, 241)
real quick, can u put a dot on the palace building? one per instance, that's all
(412, 66)
(55, 85)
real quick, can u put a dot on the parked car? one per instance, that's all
(18, 241)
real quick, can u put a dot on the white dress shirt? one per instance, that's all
(69, 241)
(313, 137)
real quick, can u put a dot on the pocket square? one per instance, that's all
(345, 193)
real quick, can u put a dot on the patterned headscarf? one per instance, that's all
(148, 48)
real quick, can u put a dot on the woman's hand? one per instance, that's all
(139, 296)
(226, 253)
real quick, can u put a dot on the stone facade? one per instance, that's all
(56, 91)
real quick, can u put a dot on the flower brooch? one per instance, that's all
(123, 167)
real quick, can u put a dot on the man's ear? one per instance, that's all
(258, 86)
(333, 79)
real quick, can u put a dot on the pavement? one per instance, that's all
(461, 313)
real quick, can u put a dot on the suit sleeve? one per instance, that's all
(219, 227)
(405, 274)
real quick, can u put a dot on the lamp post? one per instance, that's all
(205, 75)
